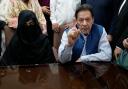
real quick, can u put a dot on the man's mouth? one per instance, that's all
(85, 32)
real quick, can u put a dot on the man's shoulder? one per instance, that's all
(98, 26)
(97, 29)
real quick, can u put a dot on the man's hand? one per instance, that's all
(13, 22)
(72, 36)
(78, 60)
(117, 52)
(46, 10)
(55, 27)
(125, 43)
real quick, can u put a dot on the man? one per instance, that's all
(87, 43)
(16, 6)
(120, 28)
(62, 15)
(45, 5)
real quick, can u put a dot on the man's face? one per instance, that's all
(85, 21)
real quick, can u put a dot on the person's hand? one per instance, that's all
(125, 43)
(55, 27)
(117, 52)
(13, 22)
(78, 60)
(109, 37)
(72, 36)
(45, 32)
(46, 10)
(43, 28)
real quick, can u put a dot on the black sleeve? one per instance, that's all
(48, 53)
(116, 6)
(124, 35)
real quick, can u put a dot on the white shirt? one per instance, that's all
(121, 6)
(104, 50)
(62, 11)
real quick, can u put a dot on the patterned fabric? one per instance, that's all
(18, 5)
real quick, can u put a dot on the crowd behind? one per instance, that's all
(47, 31)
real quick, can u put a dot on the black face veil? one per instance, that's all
(28, 29)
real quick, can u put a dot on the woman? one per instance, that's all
(28, 45)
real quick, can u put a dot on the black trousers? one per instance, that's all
(49, 28)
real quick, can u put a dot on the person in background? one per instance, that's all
(3, 25)
(45, 5)
(16, 6)
(86, 41)
(120, 28)
(28, 45)
(62, 16)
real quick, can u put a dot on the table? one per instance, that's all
(91, 75)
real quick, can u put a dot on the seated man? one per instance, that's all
(28, 45)
(85, 42)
